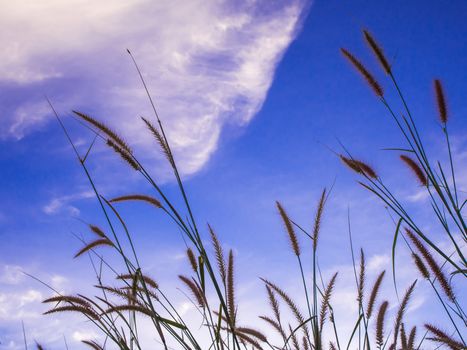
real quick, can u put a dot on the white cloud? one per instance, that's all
(208, 63)
(84, 335)
(11, 274)
(184, 308)
(27, 117)
(421, 195)
(58, 281)
(29, 297)
(378, 262)
(56, 205)
(20, 299)
(19, 305)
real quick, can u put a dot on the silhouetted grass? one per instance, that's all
(116, 309)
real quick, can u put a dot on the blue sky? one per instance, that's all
(252, 94)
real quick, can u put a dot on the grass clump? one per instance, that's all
(211, 282)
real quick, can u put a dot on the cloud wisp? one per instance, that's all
(208, 63)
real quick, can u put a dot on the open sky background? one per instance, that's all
(252, 94)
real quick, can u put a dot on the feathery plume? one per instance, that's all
(294, 338)
(120, 292)
(106, 130)
(231, 288)
(192, 259)
(411, 340)
(132, 289)
(131, 276)
(421, 266)
(435, 268)
(319, 214)
(401, 311)
(219, 254)
(290, 303)
(440, 99)
(404, 344)
(195, 290)
(373, 294)
(359, 167)
(160, 140)
(247, 339)
(378, 51)
(325, 301)
(137, 197)
(274, 325)
(253, 332)
(442, 337)
(380, 324)
(131, 307)
(74, 308)
(361, 278)
(416, 169)
(273, 302)
(94, 244)
(126, 156)
(71, 299)
(290, 230)
(377, 89)
(305, 343)
(97, 230)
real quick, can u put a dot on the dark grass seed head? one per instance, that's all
(370, 79)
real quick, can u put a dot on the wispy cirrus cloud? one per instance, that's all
(208, 63)
(57, 204)
(11, 274)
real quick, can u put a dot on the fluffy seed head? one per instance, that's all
(138, 276)
(319, 214)
(374, 85)
(137, 308)
(325, 301)
(117, 139)
(441, 101)
(253, 332)
(126, 156)
(219, 254)
(195, 290)
(74, 308)
(137, 197)
(361, 278)
(420, 266)
(160, 140)
(377, 50)
(416, 169)
(192, 259)
(290, 230)
(359, 167)
(402, 309)
(97, 230)
(411, 340)
(96, 243)
(380, 324)
(434, 266)
(442, 337)
(291, 304)
(374, 294)
(231, 288)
